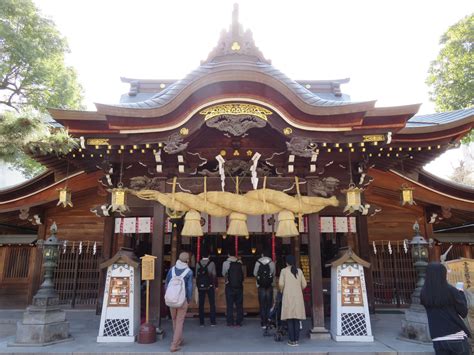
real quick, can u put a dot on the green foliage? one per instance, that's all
(32, 69)
(451, 75)
(33, 77)
(27, 132)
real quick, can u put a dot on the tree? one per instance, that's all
(33, 77)
(32, 68)
(451, 75)
(27, 132)
(464, 172)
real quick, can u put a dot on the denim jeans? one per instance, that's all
(211, 294)
(234, 296)
(293, 329)
(265, 299)
(454, 347)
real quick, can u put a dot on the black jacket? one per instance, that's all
(447, 320)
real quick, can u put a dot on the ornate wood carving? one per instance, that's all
(326, 187)
(174, 144)
(236, 125)
(144, 182)
(302, 146)
(237, 167)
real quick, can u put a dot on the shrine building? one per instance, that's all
(237, 142)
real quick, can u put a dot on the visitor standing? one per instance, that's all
(179, 291)
(206, 283)
(234, 290)
(445, 306)
(264, 272)
(292, 283)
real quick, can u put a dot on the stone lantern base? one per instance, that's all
(415, 325)
(44, 323)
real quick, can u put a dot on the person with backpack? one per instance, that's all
(264, 271)
(206, 283)
(234, 290)
(178, 295)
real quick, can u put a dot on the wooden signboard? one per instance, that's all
(148, 273)
(148, 267)
(461, 270)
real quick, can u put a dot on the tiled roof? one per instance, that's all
(174, 89)
(436, 119)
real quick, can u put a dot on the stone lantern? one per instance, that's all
(415, 324)
(44, 322)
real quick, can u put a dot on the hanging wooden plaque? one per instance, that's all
(148, 267)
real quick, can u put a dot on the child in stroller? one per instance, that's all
(274, 320)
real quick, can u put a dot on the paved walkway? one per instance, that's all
(248, 339)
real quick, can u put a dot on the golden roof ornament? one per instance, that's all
(235, 42)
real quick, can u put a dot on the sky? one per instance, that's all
(384, 47)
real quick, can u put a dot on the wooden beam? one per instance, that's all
(318, 331)
(107, 241)
(157, 249)
(364, 253)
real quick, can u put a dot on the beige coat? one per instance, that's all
(292, 288)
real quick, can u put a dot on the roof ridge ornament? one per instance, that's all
(235, 43)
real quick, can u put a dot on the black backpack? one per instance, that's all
(235, 275)
(264, 275)
(203, 281)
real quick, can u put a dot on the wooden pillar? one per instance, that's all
(466, 251)
(295, 245)
(435, 253)
(174, 241)
(157, 248)
(318, 331)
(364, 253)
(107, 241)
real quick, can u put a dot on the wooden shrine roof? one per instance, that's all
(24, 198)
(388, 184)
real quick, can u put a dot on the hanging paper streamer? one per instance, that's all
(405, 246)
(253, 170)
(94, 249)
(221, 162)
(64, 246)
(80, 247)
(389, 248)
(375, 248)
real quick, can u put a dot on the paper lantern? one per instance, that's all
(192, 224)
(286, 225)
(238, 224)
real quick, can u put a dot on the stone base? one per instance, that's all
(415, 325)
(319, 333)
(43, 315)
(42, 344)
(41, 334)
